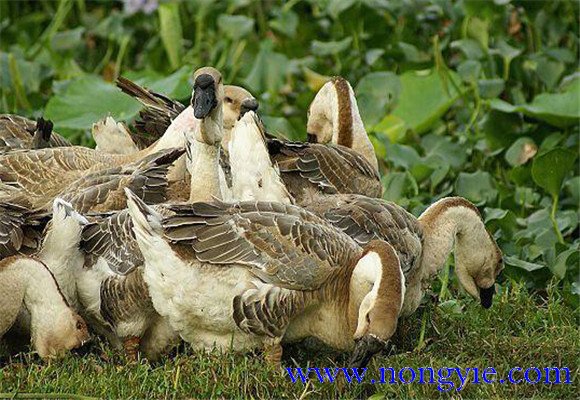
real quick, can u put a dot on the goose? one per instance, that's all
(17, 133)
(423, 244)
(334, 117)
(110, 287)
(35, 172)
(160, 111)
(27, 284)
(22, 219)
(252, 275)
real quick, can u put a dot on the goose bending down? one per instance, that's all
(423, 245)
(19, 133)
(251, 275)
(110, 286)
(26, 284)
(160, 111)
(113, 137)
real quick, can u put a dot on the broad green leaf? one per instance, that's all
(453, 153)
(521, 151)
(560, 264)
(558, 109)
(336, 7)
(423, 99)
(87, 100)
(285, 23)
(67, 40)
(507, 52)
(373, 55)
(469, 70)
(268, 72)
(528, 266)
(398, 186)
(549, 169)
(171, 32)
(550, 71)
(403, 156)
(477, 187)
(478, 30)
(329, 48)
(375, 93)
(235, 26)
(490, 88)
(469, 47)
(393, 127)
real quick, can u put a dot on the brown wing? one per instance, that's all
(103, 190)
(124, 297)
(283, 245)
(111, 237)
(157, 115)
(20, 228)
(365, 219)
(329, 169)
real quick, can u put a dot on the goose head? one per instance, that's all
(478, 262)
(207, 101)
(237, 102)
(66, 332)
(378, 273)
(64, 228)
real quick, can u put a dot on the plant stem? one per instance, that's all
(553, 218)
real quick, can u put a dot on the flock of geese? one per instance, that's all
(198, 225)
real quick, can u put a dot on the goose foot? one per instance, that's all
(131, 346)
(273, 353)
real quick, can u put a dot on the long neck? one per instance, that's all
(61, 253)
(43, 297)
(450, 223)
(176, 135)
(348, 126)
(205, 181)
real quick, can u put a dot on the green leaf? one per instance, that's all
(469, 47)
(393, 127)
(550, 71)
(549, 169)
(285, 23)
(521, 151)
(558, 109)
(235, 26)
(423, 99)
(528, 266)
(469, 70)
(67, 40)
(399, 186)
(329, 48)
(375, 93)
(171, 32)
(477, 187)
(490, 88)
(560, 265)
(87, 100)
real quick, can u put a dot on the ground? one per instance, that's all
(519, 330)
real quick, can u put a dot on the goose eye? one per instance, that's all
(79, 325)
(228, 100)
(368, 318)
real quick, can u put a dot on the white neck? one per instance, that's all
(360, 139)
(205, 180)
(448, 227)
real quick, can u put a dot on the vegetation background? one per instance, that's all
(474, 98)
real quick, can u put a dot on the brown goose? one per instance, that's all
(423, 245)
(27, 284)
(250, 275)
(19, 133)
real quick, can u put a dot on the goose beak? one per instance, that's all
(364, 350)
(250, 104)
(204, 96)
(486, 296)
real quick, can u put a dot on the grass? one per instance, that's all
(519, 330)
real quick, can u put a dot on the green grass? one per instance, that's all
(519, 330)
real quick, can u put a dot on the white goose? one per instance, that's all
(243, 276)
(26, 284)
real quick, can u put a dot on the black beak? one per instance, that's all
(204, 97)
(364, 350)
(311, 138)
(248, 105)
(486, 296)
(84, 348)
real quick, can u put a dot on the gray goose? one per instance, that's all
(111, 290)
(19, 133)
(251, 275)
